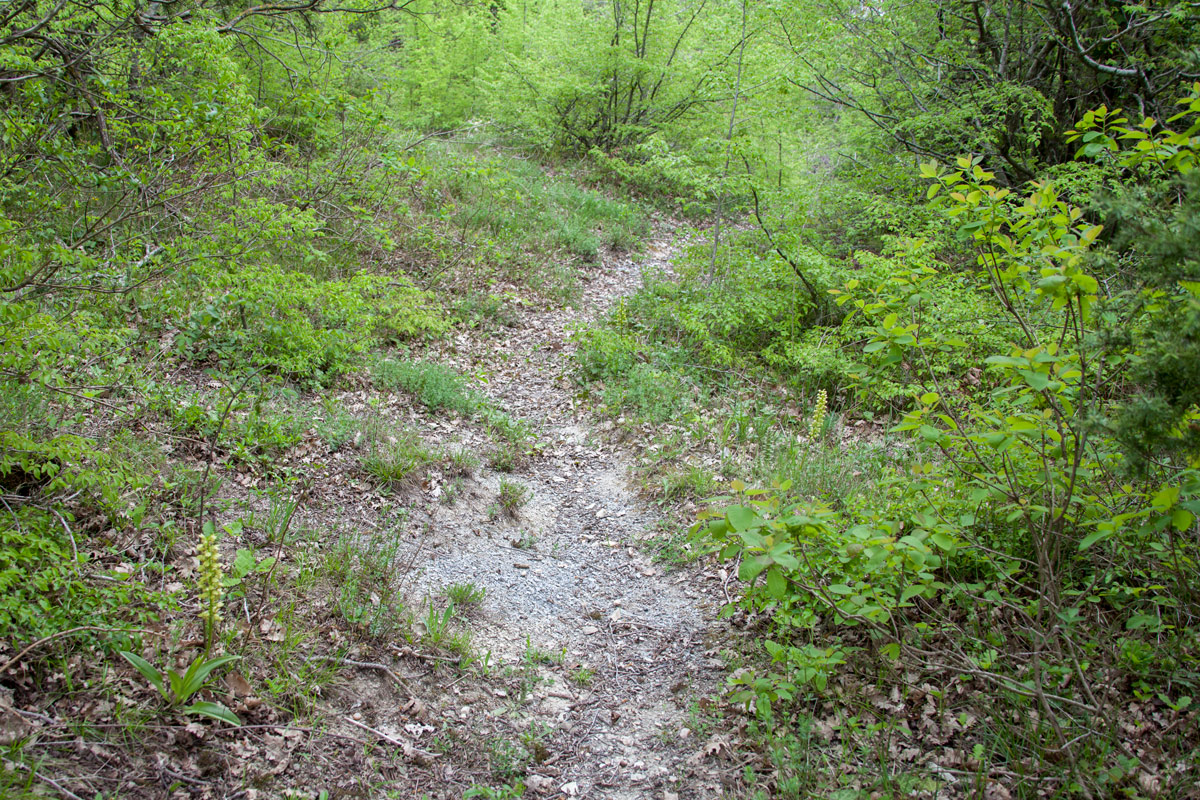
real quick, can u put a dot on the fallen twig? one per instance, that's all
(64, 791)
(411, 752)
(8, 664)
(408, 651)
(366, 665)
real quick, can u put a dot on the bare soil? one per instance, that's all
(567, 575)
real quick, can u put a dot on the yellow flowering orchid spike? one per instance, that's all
(211, 575)
(818, 420)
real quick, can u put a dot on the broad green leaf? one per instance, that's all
(1051, 282)
(243, 563)
(930, 433)
(148, 670)
(740, 518)
(214, 711)
(753, 538)
(1141, 621)
(1095, 536)
(776, 583)
(1182, 519)
(782, 556)
(1165, 498)
(943, 541)
(751, 568)
(1038, 380)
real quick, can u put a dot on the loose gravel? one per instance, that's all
(565, 576)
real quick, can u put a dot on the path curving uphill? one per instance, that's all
(566, 580)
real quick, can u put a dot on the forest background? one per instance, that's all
(941, 328)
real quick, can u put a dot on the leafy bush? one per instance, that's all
(255, 426)
(45, 566)
(46, 582)
(654, 394)
(605, 353)
(1017, 548)
(763, 320)
(300, 327)
(657, 169)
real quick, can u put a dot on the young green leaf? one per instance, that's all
(149, 672)
(214, 711)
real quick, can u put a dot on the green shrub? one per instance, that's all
(45, 561)
(298, 326)
(654, 394)
(1021, 545)
(658, 170)
(486, 311)
(604, 353)
(258, 426)
(48, 584)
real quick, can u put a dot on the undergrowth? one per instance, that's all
(504, 218)
(175, 392)
(935, 498)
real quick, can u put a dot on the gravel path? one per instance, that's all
(564, 575)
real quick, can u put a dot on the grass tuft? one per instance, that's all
(436, 386)
(399, 461)
(513, 495)
(465, 594)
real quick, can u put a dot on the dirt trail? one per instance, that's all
(565, 576)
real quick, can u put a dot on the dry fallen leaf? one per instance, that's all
(238, 685)
(415, 708)
(716, 745)
(13, 727)
(996, 791)
(539, 784)
(419, 757)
